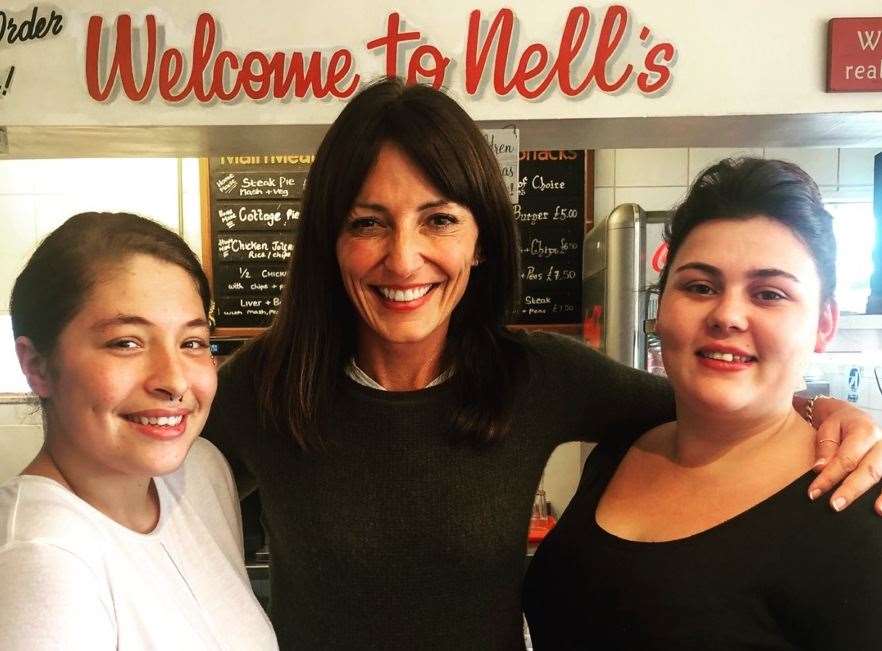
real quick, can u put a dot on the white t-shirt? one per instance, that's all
(72, 578)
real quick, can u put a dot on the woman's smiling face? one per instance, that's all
(131, 378)
(405, 254)
(740, 314)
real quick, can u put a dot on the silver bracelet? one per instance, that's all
(810, 408)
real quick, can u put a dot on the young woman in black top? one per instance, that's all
(698, 535)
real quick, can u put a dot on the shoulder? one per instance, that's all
(234, 412)
(204, 500)
(858, 527)
(571, 362)
(205, 473)
(656, 441)
(56, 592)
(553, 348)
(839, 546)
(203, 497)
(566, 351)
(239, 372)
(542, 342)
(36, 511)
(207, 461)
(860, 517)
(825, 574)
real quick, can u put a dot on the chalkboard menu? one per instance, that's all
(253, 214)
(550, 215)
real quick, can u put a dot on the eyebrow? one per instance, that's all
(426, 206)
(767, 272)
(131, 319)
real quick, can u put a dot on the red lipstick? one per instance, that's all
(159, 432)
(746, 360)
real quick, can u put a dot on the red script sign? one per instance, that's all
(854, 54)
(590, 54)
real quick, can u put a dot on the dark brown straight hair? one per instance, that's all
(300, 359)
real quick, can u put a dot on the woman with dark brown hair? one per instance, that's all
(698, 534)
(396, 429)
(124, 531)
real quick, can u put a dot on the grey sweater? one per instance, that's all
(396, 538)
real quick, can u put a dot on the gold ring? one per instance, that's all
(828, 441)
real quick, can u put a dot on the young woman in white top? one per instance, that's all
(124, 531)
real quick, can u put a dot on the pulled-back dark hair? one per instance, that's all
(57, 279)
(740, 188)
(301, 357)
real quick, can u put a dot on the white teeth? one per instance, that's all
(726, 357)
(404, 295)
(161, 421)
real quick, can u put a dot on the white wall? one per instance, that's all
(21, 435)
(658, 179)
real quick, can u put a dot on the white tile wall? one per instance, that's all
(18, 237)
(856, 166)
(822, 164)
(651, 167)
(651, 198)
(38, 195)
(604, 202)
(659, 178)
(21, 435)
(17, 176)
(604, 168)
(13, 381)
(700, 159)
(18, 445)
(191, 205)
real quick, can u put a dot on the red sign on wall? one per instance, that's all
(854, 54)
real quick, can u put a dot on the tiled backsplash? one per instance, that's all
(657, 179)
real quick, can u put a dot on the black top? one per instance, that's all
(396, 538)
(785, 574)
